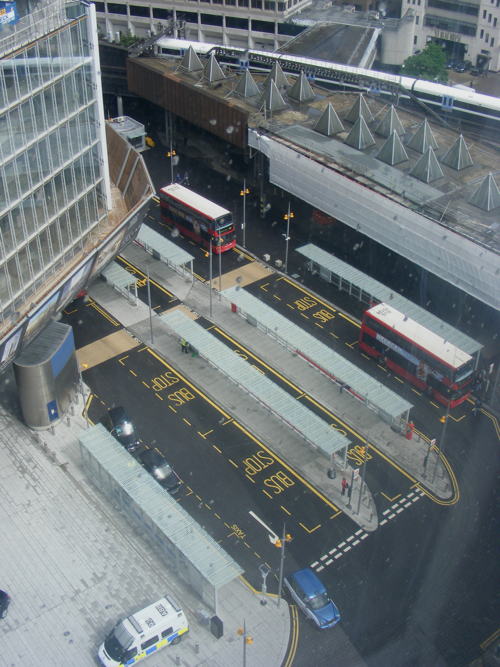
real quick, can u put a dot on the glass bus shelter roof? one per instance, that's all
(316, 431)
(384, 294)
(377, 396)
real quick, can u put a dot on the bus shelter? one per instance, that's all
(312, 428)
(121, 280)
(186, 547)
(368, 290)
(166, 251)
(350, 379)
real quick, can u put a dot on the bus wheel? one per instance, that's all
(176, 640)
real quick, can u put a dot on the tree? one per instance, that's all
(428, 64)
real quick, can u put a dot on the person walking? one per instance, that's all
(184, 345)
(345, 485)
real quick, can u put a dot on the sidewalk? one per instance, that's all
(73, 566)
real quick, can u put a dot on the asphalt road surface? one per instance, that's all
(418, 591)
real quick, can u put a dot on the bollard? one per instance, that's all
(197, 648)
(68, 421)
(177, 660)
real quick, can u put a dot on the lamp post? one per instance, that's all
(210, 274)
(280, 544)
(219, 243)
(365, 457)
(244, 193)
(287, 217)
(171, 154)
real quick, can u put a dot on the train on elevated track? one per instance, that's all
(449, 102)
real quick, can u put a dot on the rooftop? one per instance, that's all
(398, 151)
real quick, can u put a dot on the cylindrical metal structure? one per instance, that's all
(47, 374)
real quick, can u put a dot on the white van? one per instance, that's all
(145, 632)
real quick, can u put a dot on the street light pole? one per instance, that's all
(150, 310)
(362, 478)
(244, 194)
(210, 274)
(287, 217)
(282, 562)
(171, 154)
(220, 271)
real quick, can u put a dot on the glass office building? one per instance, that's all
(52, 154)
(59, 205)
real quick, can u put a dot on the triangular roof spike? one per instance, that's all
(427, 168)
(390, 123)
(423, 138)
(359, 108)
(272, 98)
(277, 75)
(191, 62)
(212, 70)
(360, 136)
(329, 123)
(393, 151)
(301, 90)
(487, 195)
(458, 157)
(246, 86)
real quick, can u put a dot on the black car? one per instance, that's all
(120, 425)
(4, 603)
(157, 465)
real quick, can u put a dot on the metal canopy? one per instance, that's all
(167, 251)
(120, 279)
(359, 384)
(316, 431)
(370, 290)
(148, 499)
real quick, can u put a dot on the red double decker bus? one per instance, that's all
(198, 218)
(417, 354)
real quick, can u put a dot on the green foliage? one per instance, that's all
(429, 64)
(128, 40)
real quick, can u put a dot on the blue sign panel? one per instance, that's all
(8, 13)
(52, 410)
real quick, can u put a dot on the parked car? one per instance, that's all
(120, 425)
(4, 603)
(311, 596)
(157, 465)
(460, 67)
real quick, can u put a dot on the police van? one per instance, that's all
(145, 632)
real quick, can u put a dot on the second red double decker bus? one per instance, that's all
(421, 356)
(198, 218)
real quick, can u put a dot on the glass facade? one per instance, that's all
(52, 189)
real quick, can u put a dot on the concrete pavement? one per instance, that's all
(74, 566)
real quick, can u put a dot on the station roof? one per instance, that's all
(383, 294)
(338, 42)
(160, 507)
(376, 395)
(316, 431)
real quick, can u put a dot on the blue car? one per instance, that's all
(311, 596)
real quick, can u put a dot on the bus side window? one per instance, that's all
(150, 642)
(167, 632)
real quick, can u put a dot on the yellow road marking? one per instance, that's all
(309, 530)
(217, 449)
(391, 500)
(105, 348)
